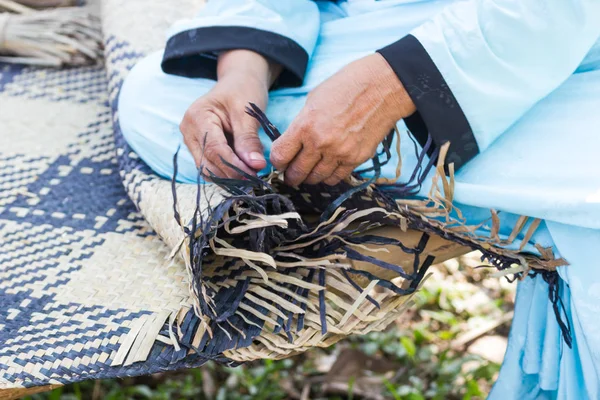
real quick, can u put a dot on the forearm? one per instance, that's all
(282, 31)
(388, 87)
(246, 64)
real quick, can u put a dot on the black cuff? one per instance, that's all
(192, 53)
(438, 113)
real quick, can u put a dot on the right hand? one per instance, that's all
(216, 127)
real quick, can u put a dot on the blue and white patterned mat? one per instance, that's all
(82, 275)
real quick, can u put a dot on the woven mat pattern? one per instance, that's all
(81, 271)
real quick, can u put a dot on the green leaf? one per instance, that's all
(351, 388)
(445, 317)
(409, 346)
(446, 335)
(77, 390)
(473, 390)
(415, 396)
(420, 336)
(391, 389)
(56, 394)
(140, 390)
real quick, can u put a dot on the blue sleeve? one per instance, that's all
(284, 31)
(479, 65)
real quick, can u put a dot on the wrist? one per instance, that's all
(390, 88)
(246, 64)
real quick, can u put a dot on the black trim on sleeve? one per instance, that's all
(192, 53)
(438, 113)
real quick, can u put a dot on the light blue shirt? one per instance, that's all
(498, 57)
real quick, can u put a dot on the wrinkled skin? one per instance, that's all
(216, 126)
(344, 120)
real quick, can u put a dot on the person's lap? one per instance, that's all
(545, 166)
(152, 103)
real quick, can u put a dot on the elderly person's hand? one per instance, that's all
(342, 123)
(216, 126)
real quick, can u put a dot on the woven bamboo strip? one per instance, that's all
(12, 394)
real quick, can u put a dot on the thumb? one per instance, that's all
(286, 147)
(247, 145)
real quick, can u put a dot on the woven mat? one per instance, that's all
(95, 275)
(81, 271)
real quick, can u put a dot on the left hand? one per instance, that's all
(343, 121)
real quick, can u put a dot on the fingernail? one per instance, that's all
(256, 156)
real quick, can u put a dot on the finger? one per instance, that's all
(340, 173)
(212, 147)
(247, 144)
(321, 172)
(286, 148)
(195, 150)
(209, 168)
(201, 162)
(301, 166)
(219, 154)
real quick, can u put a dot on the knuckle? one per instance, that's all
(343, 175)
(332, 181)
(317, 174)
(324, 142)
(323, 171)
(303, 128)
(344, 153)
(248, 139)
(294, 175)
(339, 176)
(185, 125)
(277, 158)
(191, 117)
(314, 178)
(211, 150)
